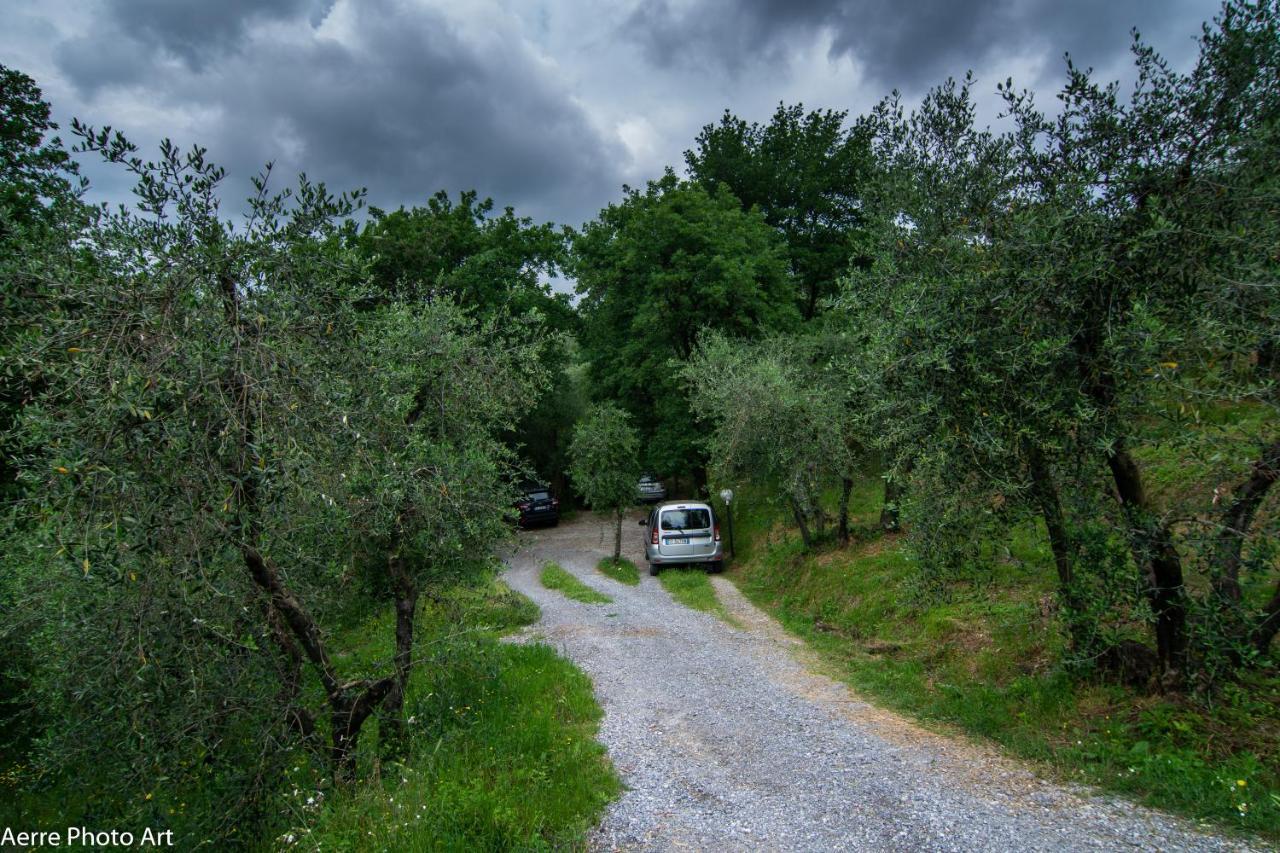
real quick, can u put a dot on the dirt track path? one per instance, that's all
(728, 739)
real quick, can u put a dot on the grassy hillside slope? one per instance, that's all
(983, 656)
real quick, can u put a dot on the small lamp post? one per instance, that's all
(726, 495)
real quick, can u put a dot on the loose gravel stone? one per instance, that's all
(731, 738)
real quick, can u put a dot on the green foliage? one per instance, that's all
(510, 764)
(502, 755)
(38, 179)
(775, 420)
(804, 172)
(654, 271)
(229, 440)
(487, 264)
(555, 577)
(692, 588)
(1038, 297)
(494, 267)
(543, 435)
(603, 453)
(622, 570)
(40, 215)
(604, 463)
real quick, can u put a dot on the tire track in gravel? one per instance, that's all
(733, 739)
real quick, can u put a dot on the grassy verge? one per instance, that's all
(555, 577)
(622, 570)
(503, 751)
(692, 588)
(983, 657)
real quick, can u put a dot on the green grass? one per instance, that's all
(503, 751)
(984, 657)
(693, 589)
(622, 570)
(555, 577)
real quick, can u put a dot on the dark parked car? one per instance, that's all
(538, 506)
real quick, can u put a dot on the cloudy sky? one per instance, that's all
(545, 105)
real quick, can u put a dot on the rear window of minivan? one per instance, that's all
(686, 519)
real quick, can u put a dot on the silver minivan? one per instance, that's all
(682, 532)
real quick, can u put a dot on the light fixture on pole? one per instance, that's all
(726, 495)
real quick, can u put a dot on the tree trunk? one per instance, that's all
(842, 532)
(1237, 520)
(1080, 635)
(801, 522)
(298, 718)
(350, 704)
(617, 534)
(1266, 630)
(350, 708)
(1045, 491)
(1152, 544)
(889, 517)
(391, 716)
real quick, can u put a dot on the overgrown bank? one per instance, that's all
(502, 751)
(984, 653)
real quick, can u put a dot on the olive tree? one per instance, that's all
(230, 444)
(771, 423)
(1041, 298)
(604, 462)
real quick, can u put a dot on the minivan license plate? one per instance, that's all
(678, 540)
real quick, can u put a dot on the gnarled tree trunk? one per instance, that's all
(350, 704)
(1151, 541)
(802, 522)
(392, 726)
(842, 532)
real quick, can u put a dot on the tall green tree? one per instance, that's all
(39, 213)
(492, 265)
(806, 172)
(604, 463)
(460, 250)
(40, 217)
(653, 272)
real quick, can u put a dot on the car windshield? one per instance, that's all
(538, 496)
(686, 519)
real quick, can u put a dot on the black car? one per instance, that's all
(538, 506)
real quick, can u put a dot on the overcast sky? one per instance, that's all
(545, 105)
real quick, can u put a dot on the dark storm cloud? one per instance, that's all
(198, 30)
(907, 44)
(402, 104)
(130, 36)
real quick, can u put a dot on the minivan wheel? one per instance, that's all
(653, 570)
(717, 566)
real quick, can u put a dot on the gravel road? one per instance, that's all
(729, 738)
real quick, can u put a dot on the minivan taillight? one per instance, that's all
(653, 539)
(717, 529)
